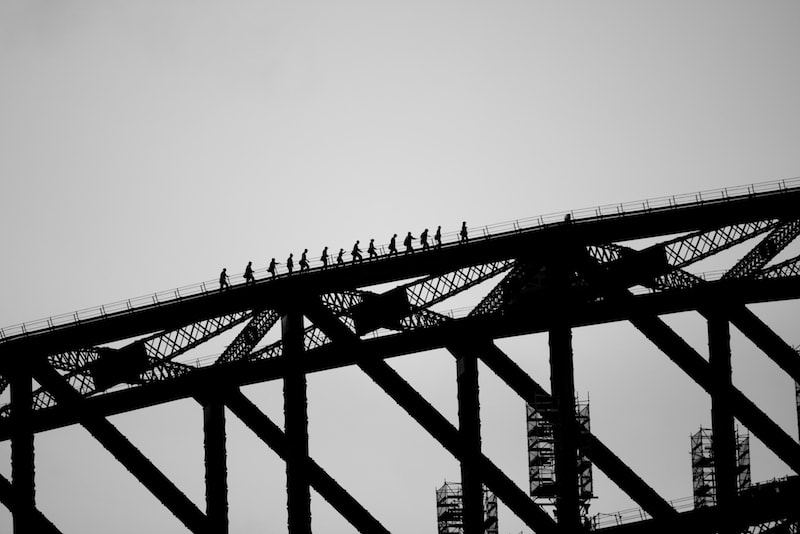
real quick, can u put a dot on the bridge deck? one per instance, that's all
(605, 224)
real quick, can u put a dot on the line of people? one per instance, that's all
(355, 253)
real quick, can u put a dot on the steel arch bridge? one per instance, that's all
(549, 275)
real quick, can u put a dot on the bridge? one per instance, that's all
(547, 275)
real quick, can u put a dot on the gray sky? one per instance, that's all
(146, 145)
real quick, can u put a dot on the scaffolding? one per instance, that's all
(541, 450)
(704, 486)
(450, 507)
(541, 453)
(585, 487)
(743, 480)
(703, 482)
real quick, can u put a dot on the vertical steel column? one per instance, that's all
(216, 466)
(469, 424)
(797, 401)
(562, 383)
(295, 409)
(723, 438)
(22, 454)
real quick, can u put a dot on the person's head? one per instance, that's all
(395, 235)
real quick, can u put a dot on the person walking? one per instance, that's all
(290, 263)
(356, 252)
(438, 237)
(371, 249)
(249, 278)
(304, 260)
(423, 239)
(393, 245)
(224, 281)
(407, 242)
(339, 259)
(324, 257)
(273, 266)
(464, 235)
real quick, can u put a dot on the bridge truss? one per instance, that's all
(548, 279)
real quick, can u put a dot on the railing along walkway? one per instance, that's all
(634, 515)
(449, 239)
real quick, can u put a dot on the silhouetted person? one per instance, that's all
(356, 252)
(568, 218)
(423, 239)
(393, 245)
(272, 267)
(304, 260)
(464, 235)
(438, 237)
(290, 263)
(249, 278)
(407, 242)
(324, 257)
(371, 249)
(224, 281)
(339, 259)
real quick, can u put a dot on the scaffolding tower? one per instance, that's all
(704, 485)
(450, 507)
(541, 453)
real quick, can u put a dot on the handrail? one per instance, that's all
(448, 239)
(631, 515)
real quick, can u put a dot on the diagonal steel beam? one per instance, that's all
(255, 330)
(765, 339)
(435, 423)
(600, 455)
(746, 321)
(123, 450)
(41, 523)
(420, 294)
(768, 248)
(447, 435)
(159, 349)
(693, 364)
(327, 487)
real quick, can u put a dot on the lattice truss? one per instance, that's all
(780, 526)
(584, 272)
(157, 353)
(660, 267)
(94, 370)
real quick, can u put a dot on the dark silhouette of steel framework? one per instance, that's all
(553, 277)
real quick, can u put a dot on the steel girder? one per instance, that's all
(327, 487)
(8, 498)
(436, 424)
(157, 351)
(124, 451)
(69, 377)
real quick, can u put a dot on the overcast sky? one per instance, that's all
(146, 145)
